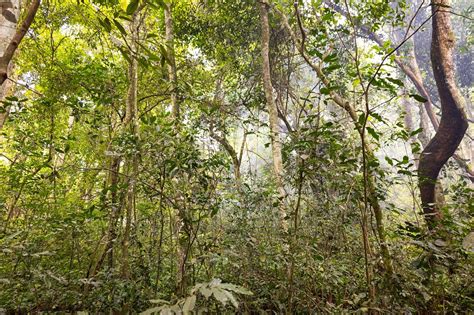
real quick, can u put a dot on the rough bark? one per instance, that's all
(272, 114)
(453, 123)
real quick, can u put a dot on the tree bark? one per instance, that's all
(272, 114)
(453, 123)
(10, 36)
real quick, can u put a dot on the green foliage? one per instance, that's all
(71, 167)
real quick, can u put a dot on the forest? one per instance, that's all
(237, 156)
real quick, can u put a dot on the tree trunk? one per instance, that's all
(453, 124)
(10, 35)
(172, 75)
(10, 12)
(272, 115)
(131, 162)
(351, 111)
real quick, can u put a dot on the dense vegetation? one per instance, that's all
(237, 156)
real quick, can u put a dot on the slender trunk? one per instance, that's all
(351, 111)
(453, 124)
(131, 162)
(115, 208)
(5, 91)
(172, 75)
(272, 115)
(175, 112)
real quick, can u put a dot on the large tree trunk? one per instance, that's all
(453, 124)
(10, 12)
(273, 115)
(10, 38)
(10, 35)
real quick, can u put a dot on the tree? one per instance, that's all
(10, 39)
(453, 123)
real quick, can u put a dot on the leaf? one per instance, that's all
(153, 310)
(124, 4)
(236, 288)
(159, 301)
(373, 133)
(415, 132)
(232, 299)
(132, 7)
(206, 292)
(324, 91)
(419, 98)
(395, 81)
(120, 27)
(189, 303)
(220, 295)
(106, 24)
(468, 242)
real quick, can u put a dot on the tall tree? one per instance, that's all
(453, 123)
(172, 73)
(272, 114)
(10, 35)
(10, 38)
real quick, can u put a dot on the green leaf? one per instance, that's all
(189, 304)
(415, 132)
(395, 81)
(373, 133)
(419, 98)
(324, 91)
(132, 7)
(120, 27)
(106, 24)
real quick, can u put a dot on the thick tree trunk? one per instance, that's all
(9, 14)
(412, 70)
(10, 38)
(453, 124)
(10, 35)
(273, 115)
